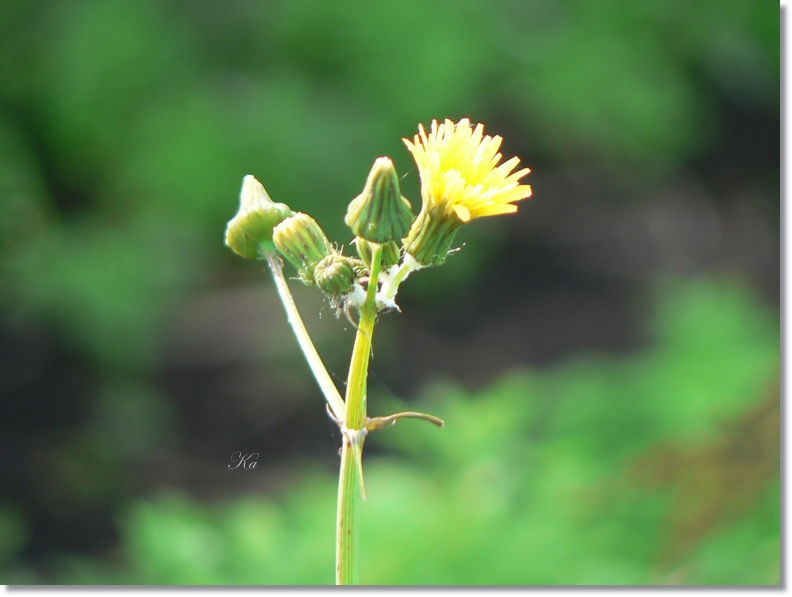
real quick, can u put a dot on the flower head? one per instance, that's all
(460, 181)
(460, 173)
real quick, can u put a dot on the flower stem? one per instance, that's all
(347, 566)
(323, 378)
(349, 493)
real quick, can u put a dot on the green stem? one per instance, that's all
(347, 569)
(323, 378)
(347, 565)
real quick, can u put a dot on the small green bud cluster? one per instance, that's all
(379, 217)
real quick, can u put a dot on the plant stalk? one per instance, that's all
(323, 378)
(349, 492)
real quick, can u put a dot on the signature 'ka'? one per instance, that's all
(461, 180)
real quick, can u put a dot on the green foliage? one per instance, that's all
(125, 129)
(662, 467)
(147, 116)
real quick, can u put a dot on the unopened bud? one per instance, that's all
(249, 232)
(302, 241)
(335, 275)
(380, 214)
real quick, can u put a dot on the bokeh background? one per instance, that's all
(606, 360)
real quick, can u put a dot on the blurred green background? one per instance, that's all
(606, 360)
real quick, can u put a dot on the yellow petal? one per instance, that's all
(462, 212)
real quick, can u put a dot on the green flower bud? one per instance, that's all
(335, 275)
(249, 232)
(380, 214)
(390, 252)
(303, 242)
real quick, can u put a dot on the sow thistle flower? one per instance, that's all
(460, 181)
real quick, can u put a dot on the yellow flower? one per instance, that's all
(460, 181)
(459, 171)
